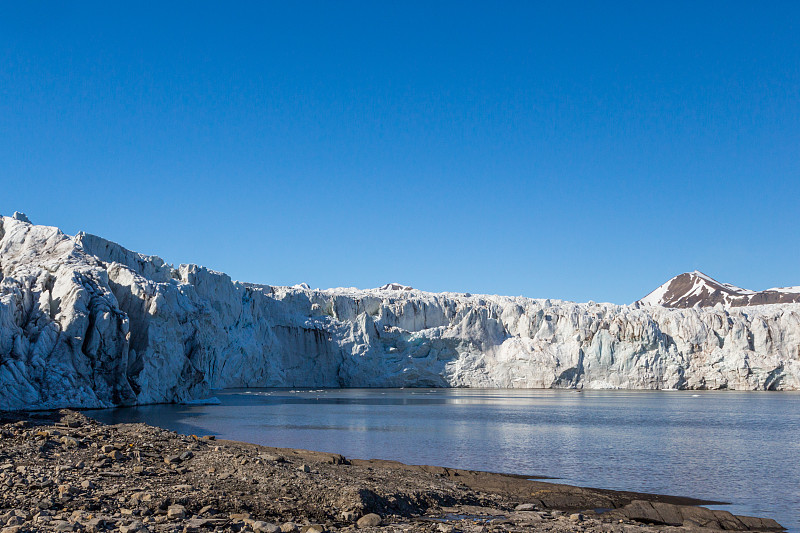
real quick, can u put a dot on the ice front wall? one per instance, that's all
(85, 322)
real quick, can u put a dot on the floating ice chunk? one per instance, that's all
(203, 401)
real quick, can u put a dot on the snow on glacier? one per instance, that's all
(85, 322)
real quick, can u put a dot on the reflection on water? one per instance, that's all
(743, 448)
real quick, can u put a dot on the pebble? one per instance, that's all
(62, 525)
(95, 525)
(65, 490)
(264, 527)
(176, 511)
(134, 527)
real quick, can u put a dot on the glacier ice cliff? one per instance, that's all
(85, 322)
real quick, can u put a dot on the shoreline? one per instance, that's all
(63, 471)
(212, 399)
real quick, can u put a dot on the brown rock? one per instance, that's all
(264, 527)
(176, 511)
(370, 520)
(670, 514)
(729, 521)
(700, 516)
(642, 511)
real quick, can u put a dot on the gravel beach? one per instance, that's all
(62, 471)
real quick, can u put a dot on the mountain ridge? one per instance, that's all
(695, 288)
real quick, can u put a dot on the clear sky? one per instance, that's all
(586, 150)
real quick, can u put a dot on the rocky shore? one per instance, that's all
(61, 471)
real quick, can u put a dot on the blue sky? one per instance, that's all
(586, 150)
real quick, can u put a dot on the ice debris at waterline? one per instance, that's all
(85, 322)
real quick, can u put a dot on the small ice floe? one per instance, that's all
(203, 401)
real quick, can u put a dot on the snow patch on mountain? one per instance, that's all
(395, 287)
(697, 289)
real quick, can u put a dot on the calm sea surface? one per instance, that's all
(737, 447)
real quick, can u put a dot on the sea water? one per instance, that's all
(737, 447)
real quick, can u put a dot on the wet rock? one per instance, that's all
(670, 514)
(760, 524)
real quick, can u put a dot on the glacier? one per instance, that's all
(85, 322)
